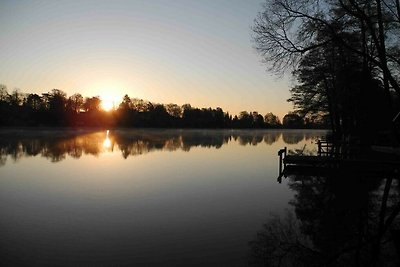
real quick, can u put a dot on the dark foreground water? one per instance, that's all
(166, 198)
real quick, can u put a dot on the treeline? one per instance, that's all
(56, 109)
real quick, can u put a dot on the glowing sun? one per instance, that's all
(110, 98)
(107, 104)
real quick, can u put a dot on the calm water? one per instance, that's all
(144, 197)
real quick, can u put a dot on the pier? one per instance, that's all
(331, 157)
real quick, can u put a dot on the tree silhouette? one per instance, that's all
(293, 120)
(75, 103)
(345, 56)
(92, 104)
(272, 120)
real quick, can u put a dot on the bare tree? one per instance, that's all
(287, 30)
(343, 53)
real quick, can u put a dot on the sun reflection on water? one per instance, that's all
(107, 141)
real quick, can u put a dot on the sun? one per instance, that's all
(110, 98)
(107, 104)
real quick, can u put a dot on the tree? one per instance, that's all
(92, 104)
(174, 110)
(3, 93)
(338, 49)
(57, 100)
(258, 120)
(159, 116)
(292, 120)
(287, 29)
(271, 119)
(16, 98)
(34, 101)
(4, 106)
(126, 103)
(140, 105)
(75, 102)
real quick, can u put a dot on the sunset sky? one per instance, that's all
(180, 51)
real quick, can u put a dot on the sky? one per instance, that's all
(166, 51)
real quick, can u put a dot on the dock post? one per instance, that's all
(284, 154)
(319, 147)
(281, 154)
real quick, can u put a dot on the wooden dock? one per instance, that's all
(325, 162)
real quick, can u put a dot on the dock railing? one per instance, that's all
(325, 148)
(328, 152)
(339, 149)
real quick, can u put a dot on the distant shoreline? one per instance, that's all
(96, 128)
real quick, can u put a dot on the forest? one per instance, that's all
(56, 109)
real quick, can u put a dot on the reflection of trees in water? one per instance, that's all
(313, 135)
(248, 139)
(204, 140)
(341, 215)
(53, 148)
(133, 147)
(11, 149)
(144, 142)
(89, 144)
(130, 143)
(244, 139)
(57, 145)
(172, 144)
(292, 138)
(279, 237)
(3, 158)
(137, 146)
(271, 137)
(257, 139)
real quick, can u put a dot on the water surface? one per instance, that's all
(144, 197)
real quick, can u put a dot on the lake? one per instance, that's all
(144, 197)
